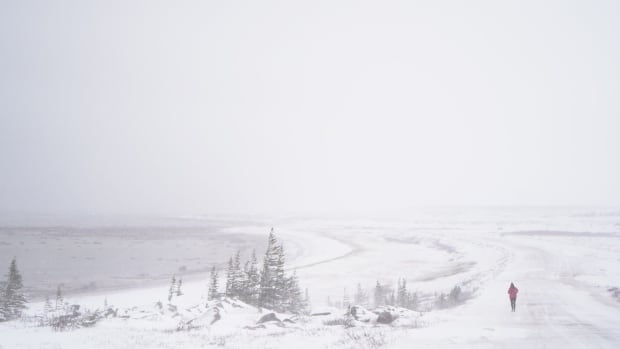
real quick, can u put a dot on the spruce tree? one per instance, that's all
(230, 276)
(294, 301)
(245, 290)
(413, 301)
(281, 281)
(440, 302)
(307, 299)
(238, 280)
(402, 295)
(379, 295)
(13, 296)
(4, 313)
(252, 284)
(251, 281)
(178, 288)
(360, 297)
(455, 295)
(267, 295)
(391, 299)
(59, 298)
(346, 300)
(172, 289)
(47, 307)
(213, 284)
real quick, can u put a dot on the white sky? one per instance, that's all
(191, 107)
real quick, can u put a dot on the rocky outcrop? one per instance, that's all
(270, 317)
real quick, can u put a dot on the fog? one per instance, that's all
(198, 107)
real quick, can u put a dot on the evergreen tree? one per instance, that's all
(178, 288)
(379, 295)
(413, 301)
(455, 295)
(235, 277)
(307, 299)
(13, 298)
(4, 313)
(213, 284)
(440, 302)
(252, 280)
(268, 288)
(245, 284)
(281, 281)
(391, 299)
(238, 279)
(230, 275)
(172, 289)
(402, 298)
(294, 302)
(47, 307)
(346, 301)
(267, 297)
(59, 298)
(360, 297)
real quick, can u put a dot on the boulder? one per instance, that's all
(360, 313)
(268, 318)
(111, 312)
(216, 316)
(385, 317)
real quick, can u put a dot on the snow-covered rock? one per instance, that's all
(271, 317)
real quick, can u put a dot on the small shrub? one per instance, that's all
(334, 322)
(365, 338)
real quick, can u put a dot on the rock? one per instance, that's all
(267, 318)
(362, 314)
(111, 312)
(90, 320)
(289, 321)
(186, 325)
(385, 317)
(357, 312)
(216, 316)
(321, 314)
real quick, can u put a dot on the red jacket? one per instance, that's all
(512, 291)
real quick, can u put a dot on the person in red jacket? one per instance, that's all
(512, 293)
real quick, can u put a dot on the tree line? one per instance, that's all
(401, 296)
(382, 294)
(268, 287)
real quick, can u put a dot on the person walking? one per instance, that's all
(512, 293)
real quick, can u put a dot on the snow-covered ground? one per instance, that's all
(564, 261)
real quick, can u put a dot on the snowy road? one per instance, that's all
(562, 311)
(554, 308)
